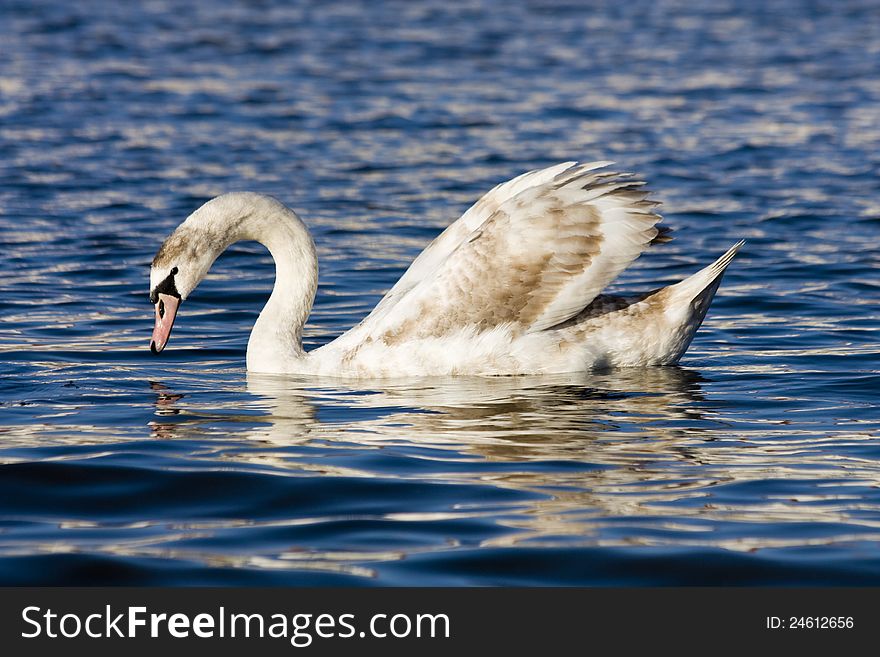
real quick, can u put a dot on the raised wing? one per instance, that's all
(535, 256)
(446, 242)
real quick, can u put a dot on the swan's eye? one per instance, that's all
(167, 286)
(161, 309)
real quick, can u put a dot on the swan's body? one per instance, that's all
(512, 287)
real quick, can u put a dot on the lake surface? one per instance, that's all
(757, 461)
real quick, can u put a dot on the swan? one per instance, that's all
(513, 287)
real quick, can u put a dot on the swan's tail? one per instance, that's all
(689, 300)
(701, 287)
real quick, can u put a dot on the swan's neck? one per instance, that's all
(277, 335)
(185, 257)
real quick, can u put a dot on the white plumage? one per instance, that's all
(512, 287)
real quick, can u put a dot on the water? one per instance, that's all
(755, 462)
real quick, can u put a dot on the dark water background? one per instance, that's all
(755, 462)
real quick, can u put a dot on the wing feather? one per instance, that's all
(463, 228)
(531, 254)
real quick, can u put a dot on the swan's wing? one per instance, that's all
(446, 242)
(539, 257)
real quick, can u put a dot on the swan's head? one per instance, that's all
(166, 298)
(185, 257)
(171, 281)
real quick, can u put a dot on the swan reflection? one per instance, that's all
(500, 417)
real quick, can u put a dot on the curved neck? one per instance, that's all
(277, 334)
(188, 253)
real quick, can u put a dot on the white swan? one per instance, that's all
(512, 287)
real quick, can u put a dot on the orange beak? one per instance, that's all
(166, 311)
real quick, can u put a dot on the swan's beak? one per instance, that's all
(166, 311)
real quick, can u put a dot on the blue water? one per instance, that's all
(757, 461)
